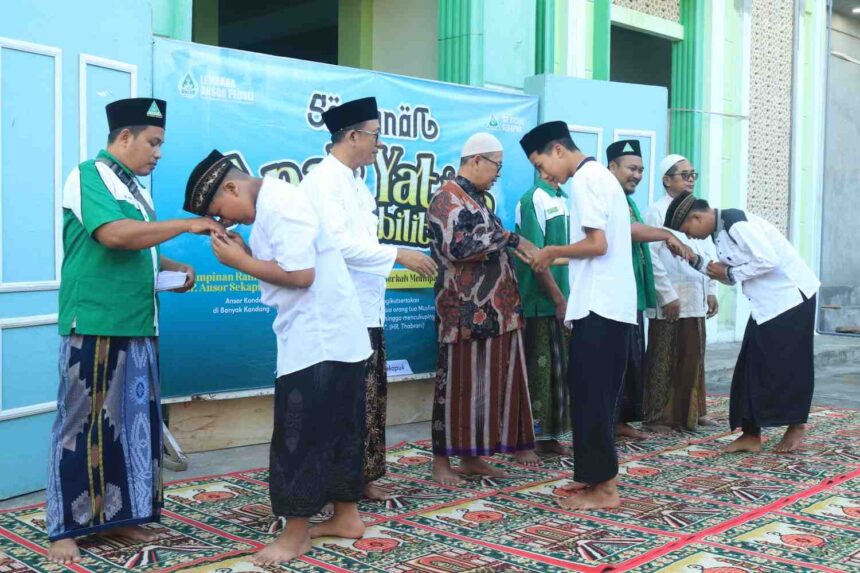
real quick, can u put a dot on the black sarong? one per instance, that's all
(630, 406)
(596, 364)
(317, 452)
(775, 375)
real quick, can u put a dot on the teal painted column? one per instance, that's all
(172, 18)
(686, 98)
(461, 41)
(602, 38)
(545, 37)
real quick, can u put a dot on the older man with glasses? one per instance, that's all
(674, 394)
(482, 404)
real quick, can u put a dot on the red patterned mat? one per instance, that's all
(686, 509)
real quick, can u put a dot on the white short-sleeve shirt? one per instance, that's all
(604, 285)
(323, 322)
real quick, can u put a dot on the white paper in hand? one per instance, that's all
(170, 280)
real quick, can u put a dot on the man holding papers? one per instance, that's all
(105, 463)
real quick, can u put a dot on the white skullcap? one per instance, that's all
(481, 142)
(668, 162)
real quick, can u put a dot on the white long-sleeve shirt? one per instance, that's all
(769, 268)
(674, 279)
(348, 213)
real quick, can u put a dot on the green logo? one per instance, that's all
(154, 111)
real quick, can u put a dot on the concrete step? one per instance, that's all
(830, 350)
(833, 317)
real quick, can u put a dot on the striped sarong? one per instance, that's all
(482, 403)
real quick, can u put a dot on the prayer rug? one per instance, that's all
(686, 508)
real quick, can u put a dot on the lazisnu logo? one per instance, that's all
(509, 123)
(188, 86)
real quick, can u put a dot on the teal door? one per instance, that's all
(599, 113)
(59, 66)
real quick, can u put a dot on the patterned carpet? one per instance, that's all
(685, 509)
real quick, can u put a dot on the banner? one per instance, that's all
(266, 113)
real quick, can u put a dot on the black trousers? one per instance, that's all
(775, 374)
(598, 357)
(317, 451)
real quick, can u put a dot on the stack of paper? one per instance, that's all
(170, 280)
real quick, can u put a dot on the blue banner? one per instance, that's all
(266, 112)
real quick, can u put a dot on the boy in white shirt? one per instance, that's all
(317, 446)
(774, 375)
(601, 309)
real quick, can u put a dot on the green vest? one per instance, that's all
(646, 294)
(105, 292)
(544, 220)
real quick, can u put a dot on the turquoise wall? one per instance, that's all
(59, 67)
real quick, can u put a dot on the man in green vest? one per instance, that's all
(625, 162)
(106, 443)
(543, 218)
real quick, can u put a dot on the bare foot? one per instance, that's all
(745, 443)
(443, 472)
(602, 496)
(553, 447)
(134, 533)
(64, 552)
(791, 439)
(574, 486)
(658, 428)
(293, 542)
(629, 431)
(375, 492)
(346, 522)
(475, 465)
(527, 458)
(707, 422)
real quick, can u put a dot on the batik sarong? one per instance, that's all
(546, 364)
(377, 397)
(675, 373)
(317, 447)
(106, 442)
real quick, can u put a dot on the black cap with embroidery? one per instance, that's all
(136, 111)
(621, 148)
(537, 138)
(350, 113)
(678, 210)
(204, 181)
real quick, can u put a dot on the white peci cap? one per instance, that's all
(668, 162)
(479, 143)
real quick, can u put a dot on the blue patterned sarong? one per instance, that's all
(106, 443)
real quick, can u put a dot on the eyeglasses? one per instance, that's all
(375, 134)
(498, 164)
(686, 175)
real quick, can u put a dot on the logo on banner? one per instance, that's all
(508, 123)
(215, 87)
(188, 87)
